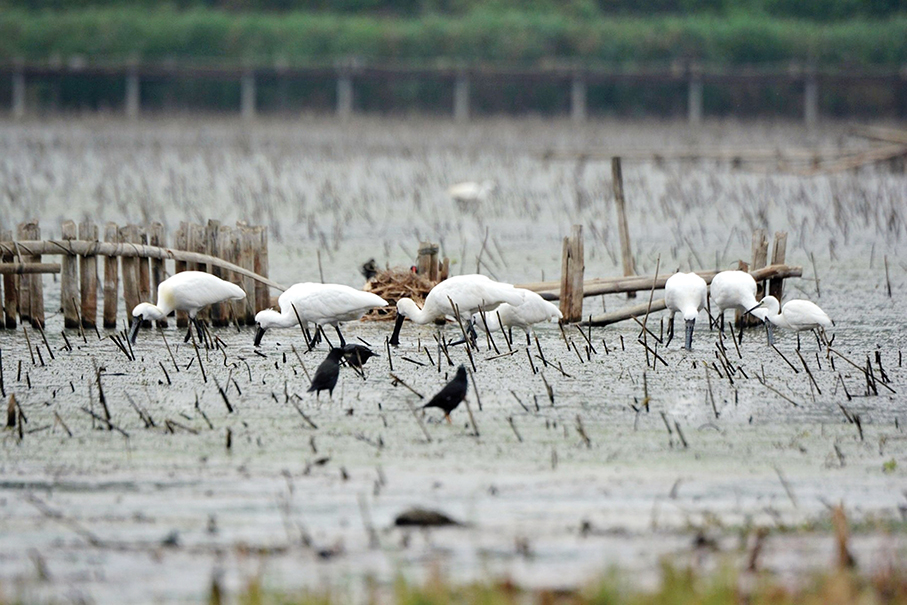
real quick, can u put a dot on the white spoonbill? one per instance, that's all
(534, 309)
(796, 315)
(188, 291)
(735, 290)
(321, 304)
(468, 292)
(686, 293)
(469, 194)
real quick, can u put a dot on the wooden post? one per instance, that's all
(221, 316)
(88, 271)
(572, 268)
(578, 98)
(262, 296)
(24, 281)
(428, 255)
(158, 270)
(738, 315)
(36, 281)
(760, 258)
(129, 267)
(18, 93)
(247, 261)
(181, 241)
(10, 288)
(69, 280)
(461, 98)
(344, 95)
(133, 93)
(235, 246)
(198, 243)
(617, 181)
(247, 95)
(779, 251)
(217, 311)
(694, 96)
(111, 279)
(144, 269)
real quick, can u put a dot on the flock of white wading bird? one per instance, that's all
(490, 304)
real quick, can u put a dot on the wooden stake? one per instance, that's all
(129, 269)
(88, 270)
(260, 256)
(157, 237)
(111, 279)
(69, 280)
(572, 268)
(10, 288)
(617, 182)
(181, 241)
(779, 252)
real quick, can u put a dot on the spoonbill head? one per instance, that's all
(188, 291)
(464, 293)
(685, 293)
(795, 315)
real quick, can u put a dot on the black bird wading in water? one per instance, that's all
(326, 375)
(451, 395)
(357, 355)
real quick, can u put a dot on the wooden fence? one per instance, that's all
(134, 262)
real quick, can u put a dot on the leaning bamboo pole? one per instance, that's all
(549, 290)
(129, 250)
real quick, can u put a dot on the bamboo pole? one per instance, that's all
(29, 268)
(157, 237)
(113, 249)
(88, 272)
(111, 272)
(129, 270)
(617, 182)
(69, 279)
(779, 252)
(181, 241)
(24, 281)
(10, 287)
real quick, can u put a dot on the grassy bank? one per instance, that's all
(498, 36)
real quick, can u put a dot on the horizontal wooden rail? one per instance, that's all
(550, 290)
(26, 268)
(84, 248)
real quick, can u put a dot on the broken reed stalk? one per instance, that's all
(475, 389)
(472, 419)
(110, 425)
(582, 432)
(513, 426)
(223, 394)
(304, 370)
(776, 391)
(708, 380)
(812, 259)
(58, 419)
(808, 372)
(301, 413)
(199, 356)
(166, 344)
(839, 354)
(418, 419)
(887, 278)
(645, 319)
(398, 380)
(28, 342)
(519, 401)
(143, 415)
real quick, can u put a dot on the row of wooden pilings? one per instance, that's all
(133, 258)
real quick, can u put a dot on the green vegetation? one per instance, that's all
(678, 587)
(480, 36)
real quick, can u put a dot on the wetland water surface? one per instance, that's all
(554, 489)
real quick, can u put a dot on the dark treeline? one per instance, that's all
(817, 10)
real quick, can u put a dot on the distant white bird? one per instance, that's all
(468, 292)
(188, 291)
(534, 309)
(321, 304)
(468, 195)
(686, 293)
(796, 315)
(735, 290)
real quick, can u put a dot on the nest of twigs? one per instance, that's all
(392, 285)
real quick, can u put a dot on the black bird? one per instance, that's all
(327, 373)
(357, 355)
(451, 395)
(369, 269)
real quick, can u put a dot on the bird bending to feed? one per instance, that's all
(469, 194)
(326, 375)
(469, 293)
(451, 395)
(796, 315)
(188, 291)
(735, 290)
(321, 304)
(534, 309)
(356, 355)
(686, 293)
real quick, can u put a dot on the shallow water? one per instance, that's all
(153, 517)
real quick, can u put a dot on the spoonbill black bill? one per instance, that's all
(685, 293)
(321, 304)
(188, 291)
(468, 293)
